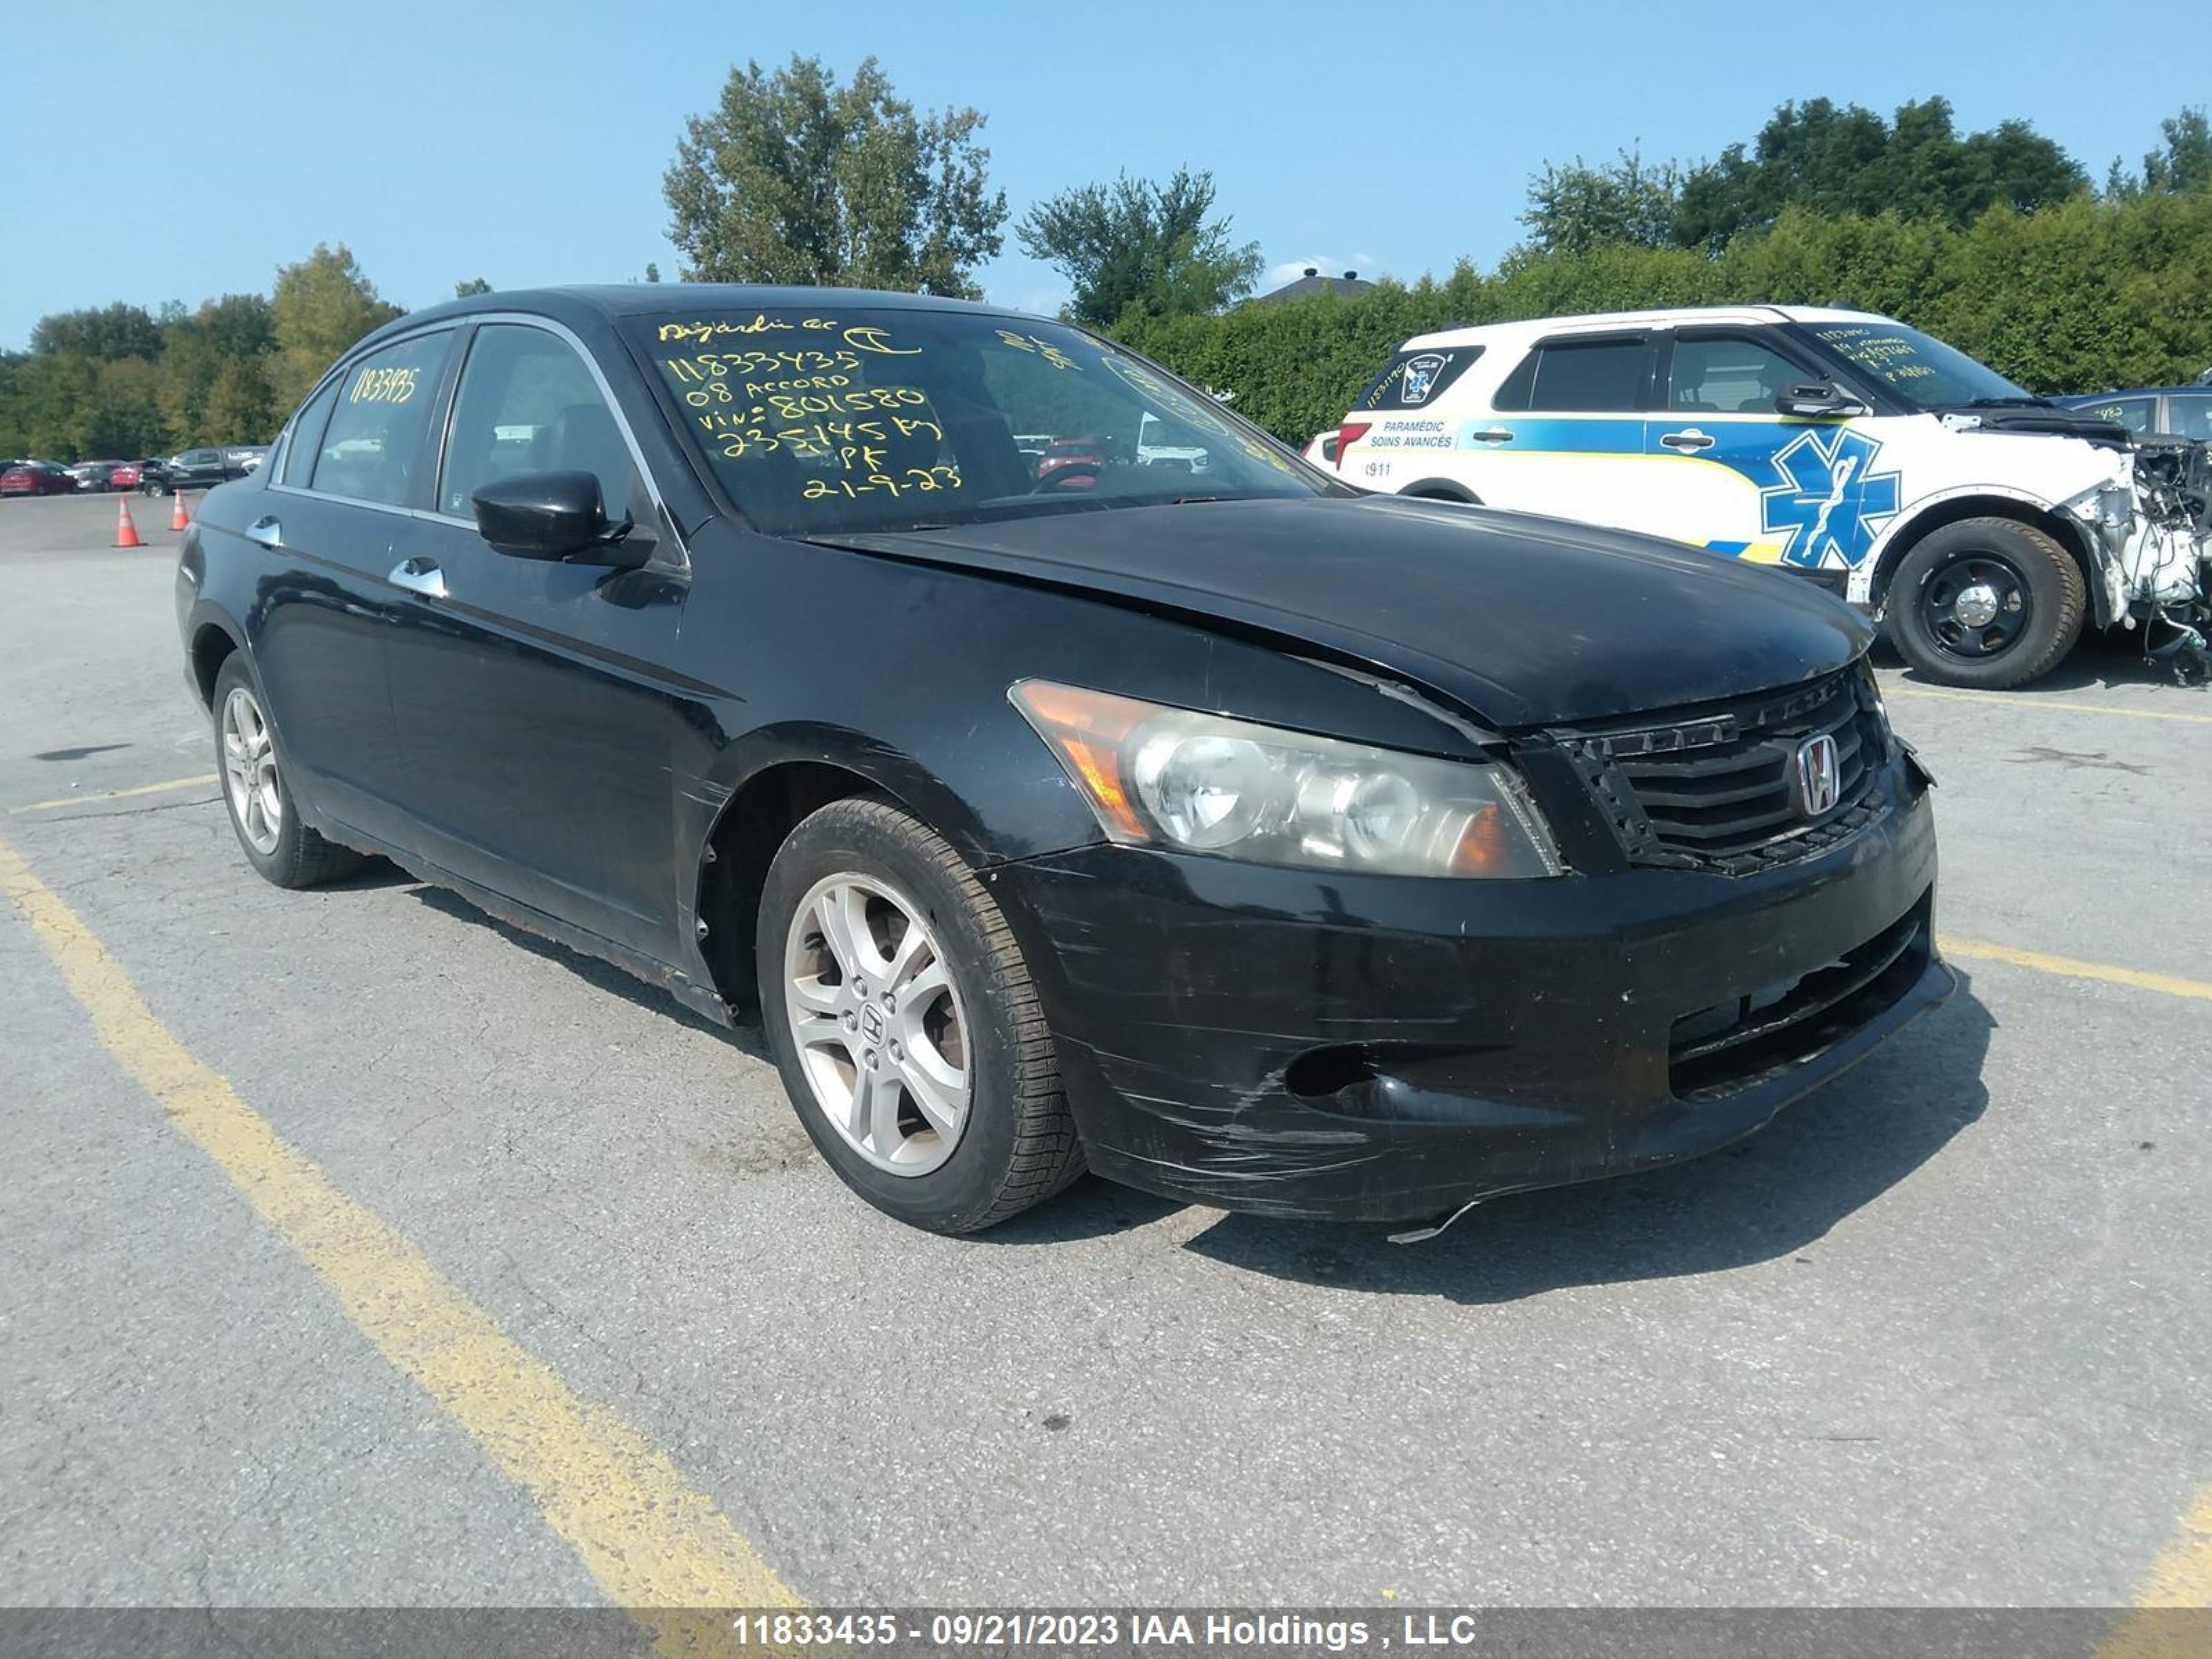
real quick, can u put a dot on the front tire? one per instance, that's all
(1986, 604)
(905, 1023)
(276, 842)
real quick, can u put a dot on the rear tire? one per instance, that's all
(844, 977)
(1986, 604)
(282, 848)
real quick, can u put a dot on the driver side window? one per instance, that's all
(528, 403)
(1731, 374)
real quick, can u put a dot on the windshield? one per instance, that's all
(1915, 367)
(830, 421)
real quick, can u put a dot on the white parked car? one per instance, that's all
(1988, 526)
(1161, 442)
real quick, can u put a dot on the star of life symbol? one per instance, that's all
(1419, 376)
(1824, 521)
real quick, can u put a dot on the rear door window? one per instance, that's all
(372, 449)
(1580, 376)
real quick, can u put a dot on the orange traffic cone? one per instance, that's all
(179, 518)
(126, 533)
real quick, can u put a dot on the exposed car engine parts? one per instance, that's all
(2172, 576)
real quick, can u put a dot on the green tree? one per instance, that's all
(101, 333)
(122, 417)
(50, 391)
(241, 405)
(237, 328)
(474, 286)
(1573, 209)
(1137, 243)
(2184, 163)
(1848, 160)
(13, 443)
(321, 306)
(795, 179)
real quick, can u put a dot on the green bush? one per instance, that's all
(2082, 296)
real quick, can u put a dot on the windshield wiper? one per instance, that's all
(2011, 403)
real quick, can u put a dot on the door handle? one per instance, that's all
(1689, 438)
(1492, 434)
(265, 533)
(420, 576)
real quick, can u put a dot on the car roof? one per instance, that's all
(1598, 321)
(615, 300)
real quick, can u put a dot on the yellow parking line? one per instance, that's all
(655, 1545)
(2172, 985)
(2181, 1577)
(2030, 703)
(201, 781)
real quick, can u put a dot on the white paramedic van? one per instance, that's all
(1987, 525)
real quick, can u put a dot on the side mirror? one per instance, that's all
(1814, 400)
(554, 516)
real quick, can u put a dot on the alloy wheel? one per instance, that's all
(249, 765)
(880, 1034)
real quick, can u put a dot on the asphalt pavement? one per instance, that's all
(1940, 1336)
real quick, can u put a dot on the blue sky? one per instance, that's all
(149, 157)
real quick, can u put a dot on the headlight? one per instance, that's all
(1204, 783)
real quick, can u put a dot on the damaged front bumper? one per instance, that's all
(1306, 1044)
(2150, 526)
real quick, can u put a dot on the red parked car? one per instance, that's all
(36, 479)
(1081, 458)
(128, 475)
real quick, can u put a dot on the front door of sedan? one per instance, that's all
(530, 698)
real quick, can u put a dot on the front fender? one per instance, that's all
(2074, 518)
(880, 764)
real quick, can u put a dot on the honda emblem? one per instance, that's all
(1820, 775)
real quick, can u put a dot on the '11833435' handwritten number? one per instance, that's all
(382, 385)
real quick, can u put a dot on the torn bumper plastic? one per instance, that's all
(1305, 1044)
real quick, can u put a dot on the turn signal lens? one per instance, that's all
(1205, 783)
(1087, 730)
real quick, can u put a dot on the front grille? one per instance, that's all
(1714, 787)
(1735, 1043)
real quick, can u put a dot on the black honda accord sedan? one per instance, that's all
(1174, 812)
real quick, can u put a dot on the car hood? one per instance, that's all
(1521, 621)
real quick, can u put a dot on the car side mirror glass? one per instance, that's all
(558, 516)
(1816, 400)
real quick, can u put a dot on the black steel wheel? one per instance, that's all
(1986, 604)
